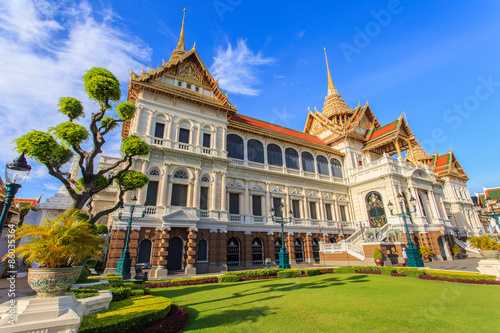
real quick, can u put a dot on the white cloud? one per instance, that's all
(300, 34)
(235, 68)
(46, 49)
(51, 186)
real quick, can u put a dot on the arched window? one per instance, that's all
(154, 172)
(144, 255)
(292, 158)
(257, 252)
(322, 165)
(336, 168)
(235, 146)
(376, 211)
(274, 156)
(181, 174)
(315, 246)
(202, 252)
(307, 162)
(233, 252)
(277, 249)
(255, 151)
(299, 250)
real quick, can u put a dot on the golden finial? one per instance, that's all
(217, 81)
(181, 48)
(331, 87)
(194, 45)
(163, 61)
(142, 71)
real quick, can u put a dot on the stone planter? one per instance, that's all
(489, 254)
(379, 262)
(51, 282)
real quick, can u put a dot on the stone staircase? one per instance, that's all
(471, 252)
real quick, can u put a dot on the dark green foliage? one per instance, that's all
(43, 148)
(71, 133)
(100, 181)
(137, 292)
(125, 111)
(102, 86)
(83, 275)
(254, 273)
(153, 282)
(102, 229)
(133, 285)
(131, 180)
(123, 316)
(228, 278)
(313, 271)
(106, 120)
(71, 107)
(133, 145)
(120, 293)
(79, 294)
(288, 273)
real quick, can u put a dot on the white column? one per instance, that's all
(287, 202)
(138, 119)
(306, 205)
(223, 194)
(246, 199)
(143, 191)
(213, 139)
(169, 194)
(321, 207)
(166, 133)
(196, 189)
(213, 194)
(415, 195)
(164, 186)
(224, 137)
(171, 129)
(150, 122)
(198, 135)
(268, 200)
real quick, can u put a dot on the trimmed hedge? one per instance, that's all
(180, 282)
(137, 292)
(148, 284)
(133, 285)
(228, 278)
(436, 278)
(131, 314)
(91, 293)
(255, 273)
(289, 273)
(110, 278)
(120, 293)
(460, 275)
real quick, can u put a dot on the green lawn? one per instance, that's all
(339, 303)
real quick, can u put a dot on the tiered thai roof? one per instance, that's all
(334, 104)
(447, 165)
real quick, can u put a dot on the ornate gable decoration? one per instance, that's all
(312, 195)
(328, 196)
(189, 71)
(257, 187)
(277, 189)
(234, 184)
(296, 192)
(342, 198)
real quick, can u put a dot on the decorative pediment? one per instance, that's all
(277, 189)
(189, 71)
(312, 195)
(257, 187)
(341, 198)
(328, 196)
(234, 184)
(296, 192)
(180, 216)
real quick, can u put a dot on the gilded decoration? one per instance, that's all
(376, 210)
(190, 72)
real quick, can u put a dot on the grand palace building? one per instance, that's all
(220, 181)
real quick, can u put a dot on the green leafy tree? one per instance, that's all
(57, 146)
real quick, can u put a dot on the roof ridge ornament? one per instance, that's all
(334, 104)
(181, 47)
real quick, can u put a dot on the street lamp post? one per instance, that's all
(16, 173)
(494, 215)
(412, 252)
(284, 259)
(124, 263)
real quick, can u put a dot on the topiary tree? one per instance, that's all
(57, 146)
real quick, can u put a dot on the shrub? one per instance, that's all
(110, 278)
(90, 293)
(377, 254)
(120, 293)
(101, 229)
(458, 275)
(131, 314)
(410, 272)
(288, 273)
(485, 242)
(228, 278)
(369, 272)
(435, 278)
(133, 285)
(137, 292)
(259, 278)
(313, 271)
(83, 276)
(426, 251)
(174, 322)
(255, 273)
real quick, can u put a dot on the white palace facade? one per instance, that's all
(215, 175)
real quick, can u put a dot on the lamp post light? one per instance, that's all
(284, 259)
(412, 252)
(494, 215)
(360, 224)
(124, 263)
(16, 173)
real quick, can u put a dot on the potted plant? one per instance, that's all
(487, 245)
(426, 252)
(456, 251)
(61, 246)
(378, 256)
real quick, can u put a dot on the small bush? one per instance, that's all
(259, 278)
(313, 271)
(137, 292)
(410, 272)
(289, 273)
(127, 315)
(368, 272)
(180, 282)
(255, 273)
(80, 295)
(435, 278)
(228, 278)
(377, 254)
(120, 293)
(133, 285)
(83, 276)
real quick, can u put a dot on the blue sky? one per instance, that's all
(437, 61)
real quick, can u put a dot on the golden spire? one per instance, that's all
(181, 48)
(331, 86)
(334, 104)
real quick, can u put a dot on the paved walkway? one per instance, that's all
(466, 265)
(22, 289)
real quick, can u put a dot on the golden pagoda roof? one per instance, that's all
(420, 153)
(181, 47)
(334, 104)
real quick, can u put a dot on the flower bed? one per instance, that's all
(435, 278)
(326, 271)
(397, 274)
(174, 322)
(302, 275)
(368, 272)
